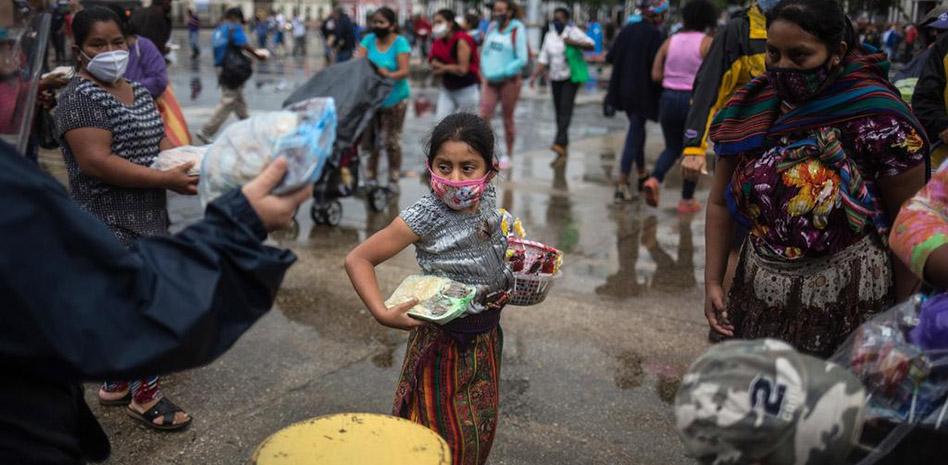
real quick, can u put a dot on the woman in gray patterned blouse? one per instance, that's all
(111, 133)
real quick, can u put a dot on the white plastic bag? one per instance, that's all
(303, 134)
(178, 156)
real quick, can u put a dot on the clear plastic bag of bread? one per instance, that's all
(303, 133)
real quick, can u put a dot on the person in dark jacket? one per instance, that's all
(80, 306)
(154, 24)
(736, 56)
(345, 36)
(931, 94)
(631, 88)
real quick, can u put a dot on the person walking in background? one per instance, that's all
(675, 67)
(194, 31)
(561, 60)
(815, 159)
(154, 23)
(345, 36)
(454, 57)
(111, 133)
(422, 34)
(632, 90)
(58, 32)
(736, 56)
(328, 31)
(930, 99)
(891, 40)
(911, 37)
(391, 53)
(261, 27)
(504, 54)
(471, 25)
(228, 36)
(299, 35)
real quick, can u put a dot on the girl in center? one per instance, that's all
(450, 377)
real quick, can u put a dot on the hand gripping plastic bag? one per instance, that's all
(178, 156)
(303, 134)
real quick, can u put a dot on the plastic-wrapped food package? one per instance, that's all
(440, 300)
(178, 156)
(899, 358)
(303, 134)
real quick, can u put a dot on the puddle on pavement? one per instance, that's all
(632, 371)
(317, 293)
(629, 372)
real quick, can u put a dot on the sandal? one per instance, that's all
(124, 400)
(164, 409)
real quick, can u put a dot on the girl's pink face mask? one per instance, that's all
(459, 195)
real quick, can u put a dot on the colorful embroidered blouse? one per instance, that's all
(922, 225)
(799, 200)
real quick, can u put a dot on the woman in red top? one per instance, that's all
(454, 57)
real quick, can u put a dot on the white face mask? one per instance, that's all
(440, 30)
(108, 66)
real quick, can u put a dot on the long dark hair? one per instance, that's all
(389, 15)
(82, 23)
(449, 16)
(463, 127)
(825, 19)
(699, 15)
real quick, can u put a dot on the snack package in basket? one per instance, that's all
(440, 300)
(304, 134)
(901, 359)
(535, 267)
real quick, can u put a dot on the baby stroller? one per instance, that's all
(358, 91)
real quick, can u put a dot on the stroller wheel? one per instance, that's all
(318, 213)
(333, 213)
(378, 199)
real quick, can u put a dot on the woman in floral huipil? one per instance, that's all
(816, 157)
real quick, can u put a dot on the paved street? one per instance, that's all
(588, 376)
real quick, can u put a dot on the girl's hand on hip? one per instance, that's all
(397, 317)
(715, 311)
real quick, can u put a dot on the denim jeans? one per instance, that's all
(193, 40)
(673, 113)
(634, 150)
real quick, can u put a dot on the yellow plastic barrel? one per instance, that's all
(353, 439)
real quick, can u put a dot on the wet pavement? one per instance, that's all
(587, 377)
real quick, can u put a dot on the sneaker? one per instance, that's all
(689, 206)
(652, 191)
(504, 163)
(205, 139)
(623, 193)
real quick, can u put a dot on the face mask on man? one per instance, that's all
(107, 66)
(560, 26)
(501, 19)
